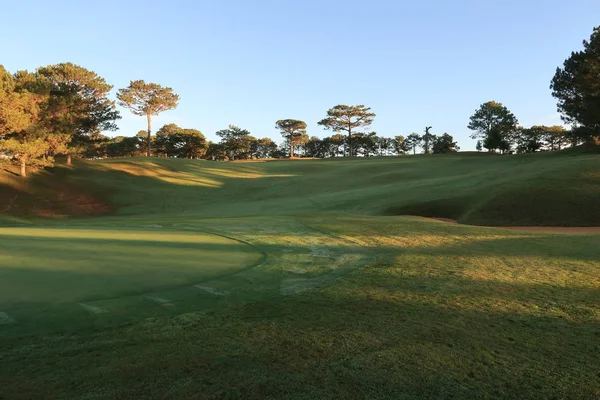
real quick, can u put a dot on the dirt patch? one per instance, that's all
(558, 229)
(581, 230)
(448, 220)
(46, 194)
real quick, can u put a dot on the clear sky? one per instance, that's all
(252, 62)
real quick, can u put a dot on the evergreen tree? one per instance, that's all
(343, 118)
(147, 99)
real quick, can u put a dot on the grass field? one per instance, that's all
(302, 280)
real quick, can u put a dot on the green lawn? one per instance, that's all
(70, 265)
(297, 280)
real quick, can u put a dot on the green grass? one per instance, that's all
(480, 189)
(70, 265)
(297, 280)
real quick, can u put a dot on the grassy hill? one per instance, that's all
(301, 279)
(541, 189)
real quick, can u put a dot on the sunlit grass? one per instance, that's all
(284, 280)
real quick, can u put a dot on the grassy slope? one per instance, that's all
(541, 189)
(348, 303)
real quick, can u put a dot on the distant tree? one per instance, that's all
(143, 141)
(576, 86)
(343, 118)
(191, 144)
(427, 139)
(282, 151)
(555, 137)
(316, 148)
(386, 145)
(237, 142)
(399, 144)
(166, 140)
(529, 140)
(479, 146)
(413, 141)
(122, 146)
(444, 144)
(299, 142)
(94, 145)
(147, 99)
(365, 144)
(76, 104)
(216, 151)
(495, 124)
(335, 142)
(292, 130)
(264, 148)
(174, 141)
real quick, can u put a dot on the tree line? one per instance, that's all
(62, 109)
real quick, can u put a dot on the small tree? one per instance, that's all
(192, 144)
(236, 141)
(427, 139)
(27, 153)
(478, 146)
(444, 144)
(413, 141)
(264, 148)
(530, 140)
(343, 118)
(147, 99)
(399, 144)
(555, 137)
(495, 124)
(292, 130)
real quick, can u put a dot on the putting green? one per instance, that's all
(41, 266)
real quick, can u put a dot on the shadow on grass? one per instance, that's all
(340, 342)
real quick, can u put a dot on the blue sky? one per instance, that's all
(249, 63)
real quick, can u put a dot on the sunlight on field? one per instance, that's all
(294, 265)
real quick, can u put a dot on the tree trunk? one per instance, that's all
(23, 168)
(149, 137)
(349, 142)
(291, 148)
(69, 160)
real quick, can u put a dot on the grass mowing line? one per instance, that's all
(211, 290)
(160, 300)
(249, 267)
(92, 309)
(5, 319)
(570, 230)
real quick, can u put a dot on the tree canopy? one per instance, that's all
(173, 141)
(147, 99)
(576, 85)
(293, 130)
(495, 124)
(76, 102)
(343, 118)
(444, 144)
